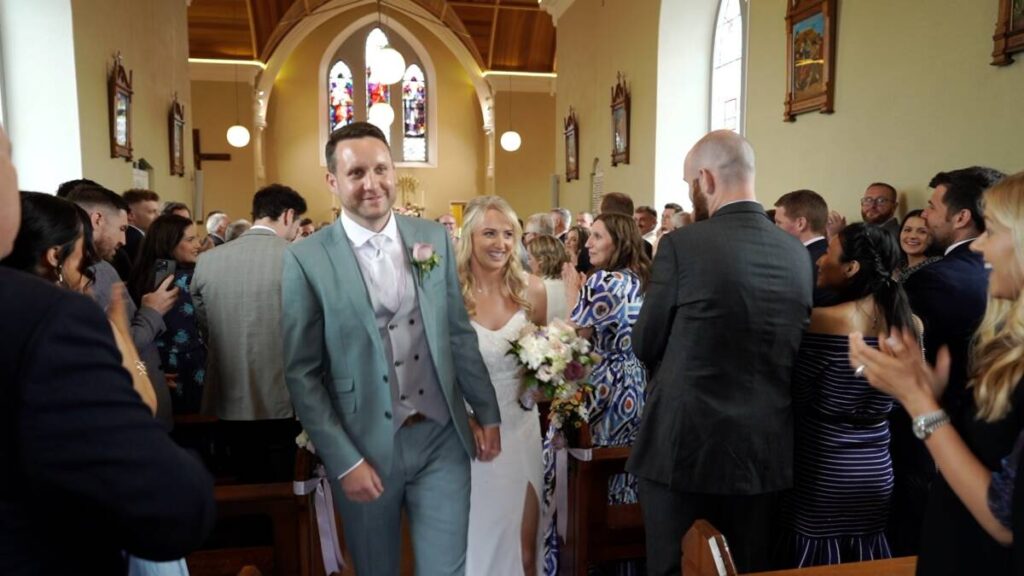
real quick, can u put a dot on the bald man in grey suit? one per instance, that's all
(237, 294)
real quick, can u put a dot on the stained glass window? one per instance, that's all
(727, 68)
(340, 91)
(414, 115)
(376, 92)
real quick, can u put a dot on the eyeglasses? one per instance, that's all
(878, 201)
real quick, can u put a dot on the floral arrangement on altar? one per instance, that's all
(556, 363)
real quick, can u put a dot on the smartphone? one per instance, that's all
(161, 270)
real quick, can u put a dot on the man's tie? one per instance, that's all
(385, 280)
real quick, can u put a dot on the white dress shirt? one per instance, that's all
(384, 291)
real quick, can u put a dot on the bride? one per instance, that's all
(504, 512)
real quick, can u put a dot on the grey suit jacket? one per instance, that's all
(236, 290)
(334, 359)
(722, 320)
(146, 325)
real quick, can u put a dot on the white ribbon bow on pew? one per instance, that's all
(562, 484)
(326, 526)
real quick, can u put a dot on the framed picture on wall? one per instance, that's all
(176, 137)
(572, 147)
(120, 96)
(1009, 36)
(810, 57)
(620, 122)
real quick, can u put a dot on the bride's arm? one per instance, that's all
(537, 296)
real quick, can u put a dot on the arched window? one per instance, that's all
(727, 68)
(414, 114)
(341, 109)
(376, 92)
(405, 110)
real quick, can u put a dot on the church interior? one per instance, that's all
(546, 103)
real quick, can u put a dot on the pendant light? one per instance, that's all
(510, 139)
(387, 65)
(238, 135)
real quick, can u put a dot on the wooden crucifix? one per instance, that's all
(197, 151)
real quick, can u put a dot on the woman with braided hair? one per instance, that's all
(843, 476)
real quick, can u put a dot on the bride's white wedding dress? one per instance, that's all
(499, 486)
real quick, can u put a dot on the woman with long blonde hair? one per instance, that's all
(501, 298)
(976, 505)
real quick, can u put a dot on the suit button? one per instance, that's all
(416, 357)
(392, 326)
(387, 415)
(421, 391)
(402, 397)
(411, 321)
(385, 378)
(398, 363)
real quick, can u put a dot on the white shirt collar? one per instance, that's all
(953, 247)
(141, 231)
(258, 227)
(358, 235)
(813, 240)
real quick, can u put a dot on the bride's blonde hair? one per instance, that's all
(515, 280)
(997, 360)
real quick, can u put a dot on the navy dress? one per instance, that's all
(843, 477)
(182, 349)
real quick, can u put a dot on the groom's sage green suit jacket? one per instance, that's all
(335, 362)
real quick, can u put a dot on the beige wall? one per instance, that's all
(595, 41)
(152, 37)
(227, 186)
(523, 177)
(914, 95)
(293, 149)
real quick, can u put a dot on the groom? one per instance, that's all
(381, 361)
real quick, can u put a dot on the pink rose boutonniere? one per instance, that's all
(424, 258)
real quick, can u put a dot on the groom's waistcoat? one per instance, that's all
(411, 373)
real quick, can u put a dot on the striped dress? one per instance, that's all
(843, 478)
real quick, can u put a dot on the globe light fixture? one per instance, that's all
(387, 65)
(381, 114)
(238, 136)
(511, 141)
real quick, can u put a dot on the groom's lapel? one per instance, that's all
(350, 280)
(407, 228)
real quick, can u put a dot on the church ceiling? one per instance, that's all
(502, 35)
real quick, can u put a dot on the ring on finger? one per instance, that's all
(858, 372)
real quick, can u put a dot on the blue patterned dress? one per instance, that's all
(610, 304)
(843, 476)
(182, 350)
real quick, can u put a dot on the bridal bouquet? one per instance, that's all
(556, 363)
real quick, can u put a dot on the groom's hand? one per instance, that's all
(362, 484)
(491, 445)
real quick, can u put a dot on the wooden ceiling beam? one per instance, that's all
(459, 4)
(494, 32)
(252, 26)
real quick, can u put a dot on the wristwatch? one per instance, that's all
(925, 424)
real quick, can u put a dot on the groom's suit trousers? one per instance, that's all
(429, 477)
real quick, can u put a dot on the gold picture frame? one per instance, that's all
(810, 57)
(120, 100)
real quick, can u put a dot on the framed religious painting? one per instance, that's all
(572, 147)
(1009, 36)
(810, 57)
(620, 122)
(176, 137)
(120, 96)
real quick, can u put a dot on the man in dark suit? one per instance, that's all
(949, 296)
(878, 208)
(143, 208)
(89, 475)
(728, 301)
(802, 214)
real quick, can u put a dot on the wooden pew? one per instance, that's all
(596, 531)
(702, 541)
(290, 517)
